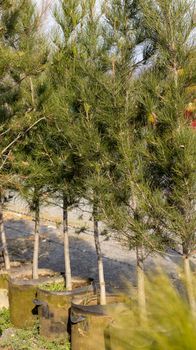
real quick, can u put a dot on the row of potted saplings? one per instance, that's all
(43, 293)
(64, 305)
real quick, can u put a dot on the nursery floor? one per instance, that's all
(119, 262)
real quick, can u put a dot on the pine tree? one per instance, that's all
(102, 106)
(6, 58)
(32, 171)
(21, 63)
(29, 162)
(68, 103)
(168, 98)
(116, 129)
(18, 28)
(66, 166)
(93, 65)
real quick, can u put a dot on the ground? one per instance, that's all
(119, 262)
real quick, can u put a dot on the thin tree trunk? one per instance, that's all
(189, 284)
(36, 239)
(66, 245)
(99, 258)
(141, 285)
(3, 237)
(32, 92)
(140, 269)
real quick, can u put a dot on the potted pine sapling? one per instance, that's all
(120, 160)
(125, 207)
(93, 139)
(29, 165)
(65, 186)
(19, 64)
(65, 163)
(172, 143)
(23, 288)
(54, 300)
(6, 114)
(97, 312)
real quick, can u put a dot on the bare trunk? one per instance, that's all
(100, 260)
(32, 93)
(189, 284)
(66, 245)
(36, 240)
(141, 286)
(3, 237)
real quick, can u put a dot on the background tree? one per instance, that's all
(168, 91)
(19, 26)
(21, 64)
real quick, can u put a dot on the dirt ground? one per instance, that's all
(119, 262)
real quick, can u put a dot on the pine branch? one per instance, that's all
(21, 135)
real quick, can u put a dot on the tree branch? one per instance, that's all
(21, 134)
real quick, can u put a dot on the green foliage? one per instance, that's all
(171, 141)
(169, 24)
(4, 319)
(30, 340)
(23, 57)
(67, 166)
(92, 125)
(27, 339)
(170, 324)
(20, 40)
(54, 287)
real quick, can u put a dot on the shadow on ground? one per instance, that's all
(119, 264)
(83, 257)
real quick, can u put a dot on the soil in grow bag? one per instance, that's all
(22, 292)
(90, 323)
(54, 306)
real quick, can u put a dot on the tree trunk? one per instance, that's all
(36, 240)
(100, 259)
(141, 285)
(3, 237)
(189, 284)
(66, 245)
(32, 93)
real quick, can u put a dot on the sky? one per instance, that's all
(48, 5)
(49, 20)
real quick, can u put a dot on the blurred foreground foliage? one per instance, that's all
(170, 323)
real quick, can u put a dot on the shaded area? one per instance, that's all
(119, 263)
(83, 256)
